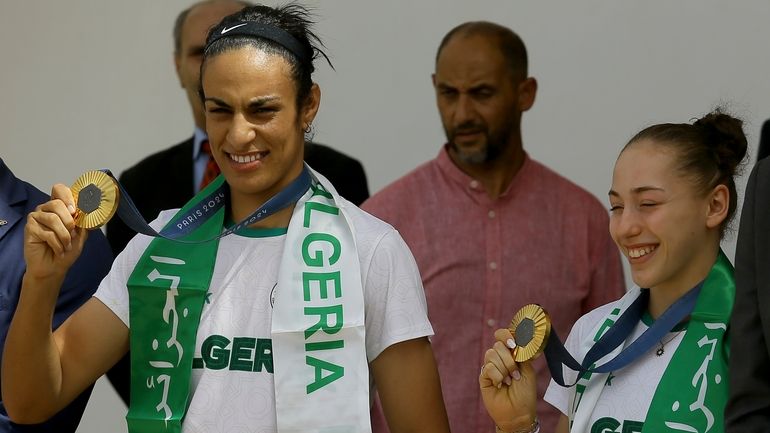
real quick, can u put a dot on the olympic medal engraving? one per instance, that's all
(96, 197)
(530, 327)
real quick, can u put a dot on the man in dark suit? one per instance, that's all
(169, 178)
(748, 409)
(17, 199)
(763, 149)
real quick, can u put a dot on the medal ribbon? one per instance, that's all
(557, 356)
(205, 204)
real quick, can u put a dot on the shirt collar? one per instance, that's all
(11, 190)
(198, 138)
(448, 167)
(13, 199)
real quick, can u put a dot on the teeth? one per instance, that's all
(243, 159)
(639, 252)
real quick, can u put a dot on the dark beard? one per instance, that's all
(495, 143)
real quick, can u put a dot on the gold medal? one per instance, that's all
(530, 327)
(96, 196)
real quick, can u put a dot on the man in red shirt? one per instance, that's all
(490, 228)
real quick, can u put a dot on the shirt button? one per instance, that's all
(493, 265)
(491, 214)
(474, 184)
(491, 323)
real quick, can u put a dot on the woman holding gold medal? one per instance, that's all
(655, 360)
(282, 325)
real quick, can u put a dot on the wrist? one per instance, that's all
(42, 292)
(527, 424)
(50, 279)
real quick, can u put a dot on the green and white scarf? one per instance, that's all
(321, 369)
(692, 393)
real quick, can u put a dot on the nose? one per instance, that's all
(464, 110)
(626, 224)
(241, 132)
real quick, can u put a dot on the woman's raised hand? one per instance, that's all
(508, 388)
(52, 242)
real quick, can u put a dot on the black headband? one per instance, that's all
(264, 31)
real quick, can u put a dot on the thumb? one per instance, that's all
(63, 193)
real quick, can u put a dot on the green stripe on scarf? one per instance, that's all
(166, 295)
(692, 393)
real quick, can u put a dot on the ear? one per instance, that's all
(718, 206)
(433, 79)
(310, 109)
(527, 92)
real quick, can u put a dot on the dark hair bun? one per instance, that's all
(724, 134)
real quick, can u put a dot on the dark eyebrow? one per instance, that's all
(641, 189)
(638, 190)
(217, 101)
(259, 102)
(254, 103)
(482, 87)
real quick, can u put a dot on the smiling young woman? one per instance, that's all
(673, 195)
(279, 327)
(254, 124)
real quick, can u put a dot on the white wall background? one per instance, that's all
(88, 84)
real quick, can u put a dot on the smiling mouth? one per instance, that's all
(636, 253)
(250, 157)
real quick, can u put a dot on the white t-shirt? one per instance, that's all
(628, 392)
(234, 393)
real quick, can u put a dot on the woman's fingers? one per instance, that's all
(499, 362)
(54, 216)
(47, 228)
(506, 337)
(491, 375)
(506, 348)
(62, 192)
(65, 212)
(494, 357)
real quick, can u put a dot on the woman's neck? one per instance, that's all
(664, 295)
(242, 207)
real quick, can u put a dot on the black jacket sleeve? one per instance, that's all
(748, 409)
